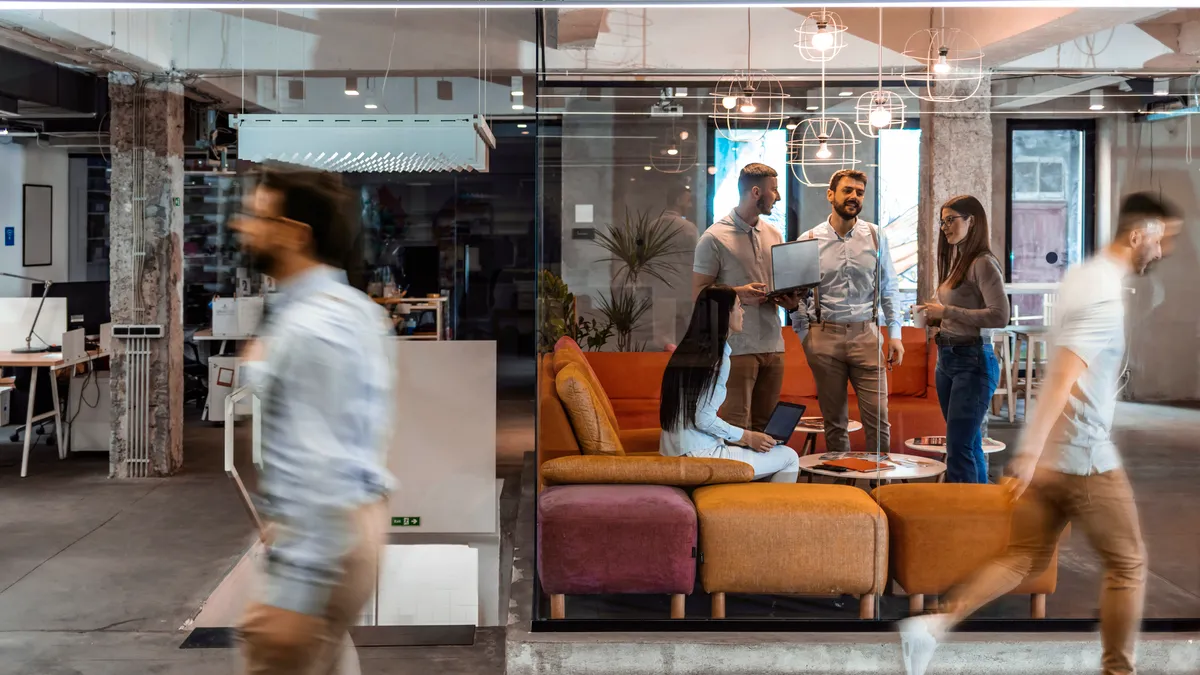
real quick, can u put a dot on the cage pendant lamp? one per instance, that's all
(821, 146)
(748, 104)
(949, 64)
(878, 109)
(673, 150)
(822, 36)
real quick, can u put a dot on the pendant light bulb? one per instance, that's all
(683, 135)
(823, 151)
(942, 66)
(729, 102)
(748, 106)
(822, 40)
(880, 116)
(672, 151)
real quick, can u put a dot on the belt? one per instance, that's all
(943, 340)
(846, 324)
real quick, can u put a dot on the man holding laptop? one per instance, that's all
(736, 251)
(839, 322)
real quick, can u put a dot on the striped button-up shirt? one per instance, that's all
(326, 390)
(849, 266)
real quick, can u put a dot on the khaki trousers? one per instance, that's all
(841, 354)
(282, 642)
(1102, 505)
(752, 391)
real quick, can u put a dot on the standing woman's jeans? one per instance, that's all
(967, 376)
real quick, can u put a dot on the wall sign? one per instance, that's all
(10, 236)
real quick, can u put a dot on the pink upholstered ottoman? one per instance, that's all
(602, 539)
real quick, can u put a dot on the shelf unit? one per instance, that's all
(210, 253)
(89, 185)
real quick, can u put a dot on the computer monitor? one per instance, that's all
(87, 303)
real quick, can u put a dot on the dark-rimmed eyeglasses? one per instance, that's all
(945, 222)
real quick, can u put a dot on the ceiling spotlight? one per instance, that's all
(352, 86)
(370, 105)
(812, 106)
(729, 102)
(823, 151)
(524, 133)
(822, 40)
(522, 125)
(942, 66)
(845, 92)
(1096, 99)
(646, 168)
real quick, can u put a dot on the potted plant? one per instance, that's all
(557, 317)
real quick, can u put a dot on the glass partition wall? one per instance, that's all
(627, 543)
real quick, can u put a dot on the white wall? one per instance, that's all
(21, 164)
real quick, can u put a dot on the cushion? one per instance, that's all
(659, 470)
(941, 533)
(555, 438)
(594, 430)
(806, 538)
(596, 539)
(567, 351)
(640, 441)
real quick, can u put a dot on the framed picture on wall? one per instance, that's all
(37, 226)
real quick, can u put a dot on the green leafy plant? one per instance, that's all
(623, 310)
(642, 244)
(556, 305)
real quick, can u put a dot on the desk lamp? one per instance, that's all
(28, 349)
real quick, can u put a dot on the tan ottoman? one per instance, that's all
(791, 539)
(941, 533)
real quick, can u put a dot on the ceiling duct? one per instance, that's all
(368, 143)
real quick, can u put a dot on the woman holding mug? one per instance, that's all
(970, 296)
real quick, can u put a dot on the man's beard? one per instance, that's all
(765, 206)
(847, 210)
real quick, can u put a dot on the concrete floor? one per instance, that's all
(99, 576)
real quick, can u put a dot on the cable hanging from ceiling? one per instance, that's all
(879, 109)
(748, 104)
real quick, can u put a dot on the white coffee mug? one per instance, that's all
(918, 317)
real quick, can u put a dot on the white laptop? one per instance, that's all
(795, 265)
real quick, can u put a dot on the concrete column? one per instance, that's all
(146, 273)
(956, 158)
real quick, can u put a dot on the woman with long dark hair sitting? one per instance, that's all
(970, 297)
(693, 389)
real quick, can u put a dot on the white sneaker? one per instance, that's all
(918, 641)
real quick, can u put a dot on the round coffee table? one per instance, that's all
(903, 467)
(990, 445)
(815, 425)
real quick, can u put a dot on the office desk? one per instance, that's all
(206, 335)
(55, 362)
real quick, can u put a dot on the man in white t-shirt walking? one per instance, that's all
(1066, 468)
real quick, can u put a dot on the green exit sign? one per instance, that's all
(406, 522)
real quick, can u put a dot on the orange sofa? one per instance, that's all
(632, 381)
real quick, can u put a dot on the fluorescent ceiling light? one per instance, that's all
(845, 92)
(1096, 100)
(368, 143)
